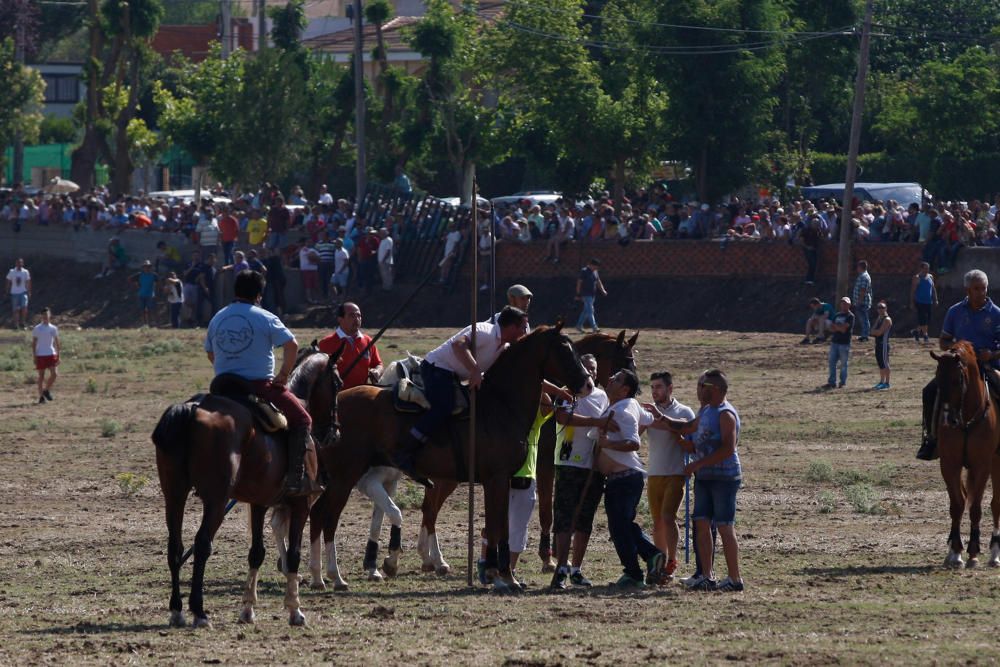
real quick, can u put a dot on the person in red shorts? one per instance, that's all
(369, 369)
(45, 348)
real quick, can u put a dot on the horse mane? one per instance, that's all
(305, 373)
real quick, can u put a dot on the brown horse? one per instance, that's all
(506, 407)
(968, 436)
(215, 448)
(612, 354)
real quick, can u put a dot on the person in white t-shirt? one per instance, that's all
(19, 289)
(618, 460)
(451, 240)
(385, 259)
(578, 486)
(325, 198)
(309, 270)
(665, 487)
(45, 349)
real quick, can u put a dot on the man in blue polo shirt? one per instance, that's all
(975, 319)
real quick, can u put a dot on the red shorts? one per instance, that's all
(310, 279)
(47, 361)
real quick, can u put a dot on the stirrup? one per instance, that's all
(304, 487)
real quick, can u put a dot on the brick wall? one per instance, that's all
(689, 259)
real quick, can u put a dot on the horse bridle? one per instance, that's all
(964, 384)
(332, 434)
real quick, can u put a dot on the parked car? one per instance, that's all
(540, 197)
(902, 193)
(457, 201)
(185, 196)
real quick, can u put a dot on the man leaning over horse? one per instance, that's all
(452, 361)
(975, 319)
(240, 341)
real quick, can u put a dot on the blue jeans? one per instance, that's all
(227, 251)
(439, 388)
(715, 500)
(621, 498)
(866, 323)
(839, 352)
(587, 314)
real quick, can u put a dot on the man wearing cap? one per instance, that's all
(588, 286)
(519, 297)
(146, 281)
(840, 343)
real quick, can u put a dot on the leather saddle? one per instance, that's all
(265, 414)
(403, 379)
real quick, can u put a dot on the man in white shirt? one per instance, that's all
(665, 488)
(453, 360)
(578, 487)
(385, 260)
(19, 289)
(45, 348)
(341, 268)
(324, 197)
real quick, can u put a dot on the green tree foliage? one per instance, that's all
(21, 93)
(289, 22)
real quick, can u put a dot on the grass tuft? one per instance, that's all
(819, 471)
(864, 498)
(110, 428)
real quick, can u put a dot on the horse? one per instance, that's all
(612, 354)
(214, 447)
(506, 407)
(968, 436)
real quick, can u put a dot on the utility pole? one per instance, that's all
(844, 249)
(262, 25)
(19, 59)
(227, 27)
(359, 103)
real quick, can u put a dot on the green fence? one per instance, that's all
(54, 158)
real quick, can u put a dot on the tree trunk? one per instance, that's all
(84, 157)
(468, 180)
(123, 164)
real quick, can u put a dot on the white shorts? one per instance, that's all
(519, 509)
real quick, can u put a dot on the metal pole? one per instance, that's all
(19, 59)
(262, 25)
(844, 248)
(474, 247)
(493, 253)
(227, 28)
(359, 105)
(687, 514)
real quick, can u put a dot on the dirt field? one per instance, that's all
(842, 532)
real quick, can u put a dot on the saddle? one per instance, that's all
(402, 377)
(265, 414)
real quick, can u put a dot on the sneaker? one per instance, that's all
(829, 385)
(481, 571)
(559, 580)
(653, 567)
(580, 329)
(841, 385)
(577, 579)
(805, 341)
(880, 385)
(701, 583)
(41, 399)
(885, 385)
(727, 585)
(915, 334)
(627, 583)
(48, 395)
(927, 339)
(862, 339)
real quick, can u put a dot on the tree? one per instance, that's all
(21, 94)
(289, 22)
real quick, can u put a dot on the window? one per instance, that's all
(62, 88)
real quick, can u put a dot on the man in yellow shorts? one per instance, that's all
(665, 487)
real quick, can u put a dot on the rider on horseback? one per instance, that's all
(975, 319)
(240, 341)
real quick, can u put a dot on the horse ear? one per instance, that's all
(315, 344)
(340, 350)
(621, 338)
(935, 355)
(632, 340)
(560, 323)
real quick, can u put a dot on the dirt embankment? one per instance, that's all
(77, 297)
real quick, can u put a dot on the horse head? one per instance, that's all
(956, 371)
(562, 362)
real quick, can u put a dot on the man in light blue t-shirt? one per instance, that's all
(240, 341)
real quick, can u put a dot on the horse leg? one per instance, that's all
(496, 495)
(977, 487)
(371, 485)
(175, 502)
(390, 566)
(337, 496)
(254, 559)
(951, 471)
(298, 513)
(317, 517)
(995, 509)
(279, 529)
(214, 510)
(434, 499)
(545, 480)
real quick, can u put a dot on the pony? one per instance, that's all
(506, 407)
(968, 433)
(214, 447)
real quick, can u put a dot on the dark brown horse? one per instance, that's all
(968, 431)
(506, 406)
(215, 448)
(612, 354)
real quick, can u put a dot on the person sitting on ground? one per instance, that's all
(818, 324)
(240, 340)
(116, 258)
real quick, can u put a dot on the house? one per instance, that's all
(194, 41)
(64, 87)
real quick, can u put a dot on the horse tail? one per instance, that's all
(171, 433)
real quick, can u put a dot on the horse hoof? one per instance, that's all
(375, 575)
(548, 567)
(389, 569)
(297, 619)
(442, 570)
(177, 619)
(340, 587)
(995, 561)
(318, 585)
(954, 561)
(201, 622)
(427, 567)
(248, 617)
(972, 563)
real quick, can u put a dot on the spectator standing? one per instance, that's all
(274, 290)
(385, 259)
(325, 198)
(229, 232)
(862, 298)
(146, 281)
(840, 343)
(256, 228)
(45, 348)
(208, 232)
(190, 279)
(811, 238)
(451, 240)
(367, 254)
(168, 258)
(173, 289)
(366, 371)
(588, 286)
(818, 322)
(327, 251)
(923, 298)
(206, 288)
(19, 291)
(341, 268)
(665, 488)
(881, 330)
(279, 219)
(309, 270)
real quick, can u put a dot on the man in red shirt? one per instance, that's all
(279, 219)
(229, 232)
(349, 329)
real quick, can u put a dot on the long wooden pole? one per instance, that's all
(844, 248)
(474, 302)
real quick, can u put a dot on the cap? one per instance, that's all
(147, 263)
(705, 207)
(518, 290)
(594, 261)
(846, 299)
